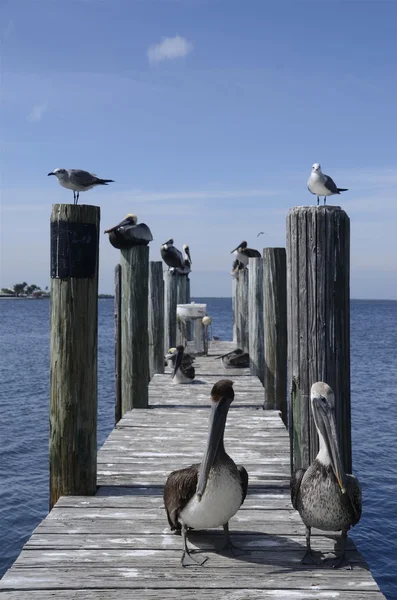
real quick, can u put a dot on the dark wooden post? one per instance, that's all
(242, 311)
(170, 302)
(255, 316)
(156, 318)
(117, 343)
(318, 256)
(134, 327)
(73, 350)
(275, 328)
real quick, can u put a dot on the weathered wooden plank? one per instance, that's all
(73, 349)
(156, 318)
(242, 308)
(134, 327)
(275, 330)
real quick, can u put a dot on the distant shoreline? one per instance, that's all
(110, 297)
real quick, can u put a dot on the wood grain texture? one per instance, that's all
(170, 302)
(73, 371)
(242, 311)
(117, 344)
(134, 327)
(234, 308)
(255, 317)
(319, 322)
(275, 329)
(156, 318)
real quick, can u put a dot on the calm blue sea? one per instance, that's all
(24, 372)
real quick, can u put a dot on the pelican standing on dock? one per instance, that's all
(183, 371)
(170, 358)
(127, 233)
(172, 257)
(324, 495)
(235, 359)
(242, 253)
(208, 494)
(320, 184)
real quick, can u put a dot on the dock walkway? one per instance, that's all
(117, 544)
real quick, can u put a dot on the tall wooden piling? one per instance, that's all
(156, 318)
(275, 330)
(183, 328)
(242, 311)
(117, 344)
(234, 308)
(318, 248)
(255, 317)
(73, 350)
(170, 302)
(134, 327)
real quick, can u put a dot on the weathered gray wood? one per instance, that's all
(188, 594)
(242, 311)
(182, 297)
(234, 308)
(117, 344)
(170, 302)
(318, 249)
(134, 327)
(73, 358)
(156, 318)
(275, 329)
(255, 317)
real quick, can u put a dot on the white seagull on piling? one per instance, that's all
(78, 181)
(320, 184)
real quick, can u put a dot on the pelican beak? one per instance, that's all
(50, 174)
(235, 249)
(328, 430)
(121, 224)
(178, 362)
(217, 426)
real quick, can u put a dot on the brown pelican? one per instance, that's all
(170, 358)
(320, 184)
(237, 266)
(78, 181)
(187, 261)
(172, 256)
(235, 359)
(183, 372)
(207, 494)
(242, 253)
(325, 496)
(127, 233)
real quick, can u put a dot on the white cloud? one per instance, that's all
(169, 49)
(37, 112)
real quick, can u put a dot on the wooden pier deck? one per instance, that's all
(117, 544)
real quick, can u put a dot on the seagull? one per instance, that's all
(78, 181)
(320, 184)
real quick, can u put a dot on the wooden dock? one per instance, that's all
(118, 545)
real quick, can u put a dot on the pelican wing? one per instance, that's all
(353, 498)
(188, 370)
(295, 484)
(241, 361)
(244, 481)
(179, 488)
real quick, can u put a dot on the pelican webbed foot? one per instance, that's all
(308, 558)
(187, 559)
(228, 545)
(341, 560)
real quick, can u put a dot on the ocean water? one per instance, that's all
(24, 400)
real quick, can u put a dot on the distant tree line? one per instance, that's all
(23, 289)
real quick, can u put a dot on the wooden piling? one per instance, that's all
(170, 302)
(156, 318)
(234, 308)
(242, 311)
(134, 327)
(73, 350)
(117, 344)
(318, 248)
(275, 330)
(255, 317)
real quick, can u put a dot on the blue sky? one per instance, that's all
(208, 114)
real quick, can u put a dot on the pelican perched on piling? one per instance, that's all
(187, 262)
(237, 266)
(183, 372)
(324, 495)
(208, 494)
(170, 358)
(172, 257)
(127, 233)
(235, 359)
(242, 253)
